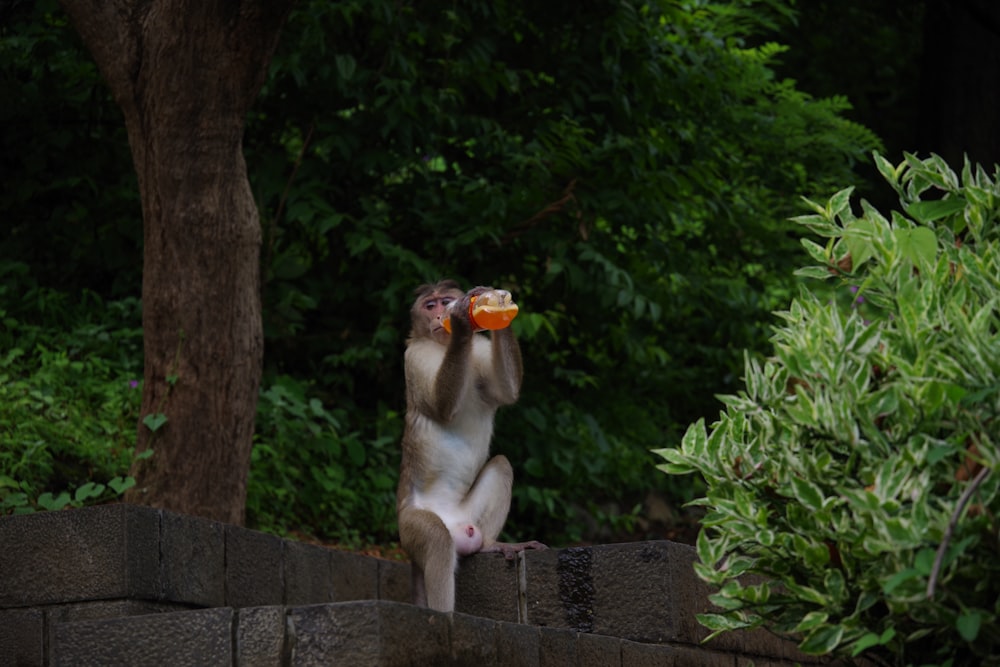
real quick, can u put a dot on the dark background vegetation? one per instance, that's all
(627, 171)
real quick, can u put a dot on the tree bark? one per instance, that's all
(184, 73)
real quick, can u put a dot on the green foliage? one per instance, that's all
(309, 473)
(70, 199)
(857, 469)
(625, 170)
(69, 397)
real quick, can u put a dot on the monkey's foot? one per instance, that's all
(509, 549)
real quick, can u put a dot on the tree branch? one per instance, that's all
(943, 547)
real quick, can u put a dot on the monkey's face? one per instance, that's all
(430, 310)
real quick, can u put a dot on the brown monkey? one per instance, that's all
(451, 500)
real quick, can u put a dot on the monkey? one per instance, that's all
(453, 499)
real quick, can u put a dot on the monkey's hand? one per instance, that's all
(476, 291)
(510, 549)
(461, 309)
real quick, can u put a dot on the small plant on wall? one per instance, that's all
(857, 469)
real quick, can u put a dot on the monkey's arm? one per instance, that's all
(507, 367)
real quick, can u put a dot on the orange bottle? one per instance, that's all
(490, 310)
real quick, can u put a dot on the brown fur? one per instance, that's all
(447, 483)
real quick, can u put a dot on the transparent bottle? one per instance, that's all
(489, 310)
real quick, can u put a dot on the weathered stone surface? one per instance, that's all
(486, 585)
(193, 559)
(412, 636)
(102, 586)
(544, 589)
(368, 633)
(394, 581)
(85, 554)
(598, 650)
(308, 577)
(180, 639)
(22, 637)
(473, 640)
(518, 645)
(635, 654)
(558, 647)
(260, 637)
(634, 593)
(354, 577)
(254, 569)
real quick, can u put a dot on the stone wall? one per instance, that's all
(127, 585)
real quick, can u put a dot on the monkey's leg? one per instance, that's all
(426, 539)
(488, 502)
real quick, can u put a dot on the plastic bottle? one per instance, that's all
(489, 310)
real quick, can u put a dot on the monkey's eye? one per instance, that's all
(429, 304)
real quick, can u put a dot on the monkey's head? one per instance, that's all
(430, 308)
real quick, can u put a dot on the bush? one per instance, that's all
(70, 389)
(855, 472)
(309, 473)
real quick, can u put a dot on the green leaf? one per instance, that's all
(840, 202)
(721, 622)
(346, 66)
(859, 236)
(121, 484)
(968, 625)
(898, 579)
(924, 561)
(822, 640)
(929, 211)
(53, 503)
(807, 493)
(811, 620)
(816, 251)
(155, 422)
(866, 642)
(88, 491)
(816, 272)
(356, 452)
(919, 245)
(889, 173)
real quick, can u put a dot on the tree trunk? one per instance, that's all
(185, 72)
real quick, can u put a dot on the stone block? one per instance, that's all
(413, 636)
(260, 637)
(22, 637)
(487, 585)
(193, 558)
(254, 570)
(634, 596)
(56, 615)
(370, 632)
(110, 551)
(180, 639)
(558, 647)
(598, 650)
(308, 577)
(636, 654)
(354, 577)
(394, 582)
(473, 640)
(518, 645)
(559, 588)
